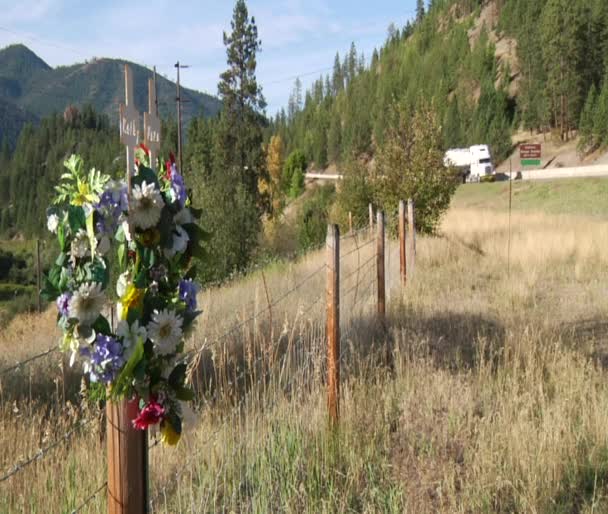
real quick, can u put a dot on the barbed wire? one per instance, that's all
(42, 452)
(274, 303)
(356, 249)
(358, 269)
(90, 498)
(28, 360)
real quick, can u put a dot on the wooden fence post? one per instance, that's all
(380, 267)
(350, 222)
(402, 244)
(333, 323)
(38, 275)
(371, 220)
(127, 459)
(412, 234)
(127, 447)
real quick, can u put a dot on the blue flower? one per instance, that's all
(63, 303)
(106, 359)
(178, 187)
(187, 293)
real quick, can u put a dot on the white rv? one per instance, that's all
(474, 162)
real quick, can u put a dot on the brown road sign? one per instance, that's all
(530, 151)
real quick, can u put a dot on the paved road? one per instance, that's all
(599, 170)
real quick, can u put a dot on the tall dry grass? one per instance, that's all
(484, 392)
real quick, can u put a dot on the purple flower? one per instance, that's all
(187, 293)
(106, 359)
(178, 187)
(63, 303)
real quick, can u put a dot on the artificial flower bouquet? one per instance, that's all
(155, 236)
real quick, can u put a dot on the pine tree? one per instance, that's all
(585, 128)
(419, 10)
(242, 118)
(337, 76)
(600, 118)
(562, 38)
(230, 195)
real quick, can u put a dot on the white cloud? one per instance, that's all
(25, 11)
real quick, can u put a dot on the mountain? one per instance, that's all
(488, 67)
(36, 90)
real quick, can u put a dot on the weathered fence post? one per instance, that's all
(333, 323)
(412, 235)
(39, 275)
(380, 267)
(127, 459)
(371, 220)
(350, 222)
(127, 446)
(402, 244)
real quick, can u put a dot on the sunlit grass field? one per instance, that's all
(486, 391)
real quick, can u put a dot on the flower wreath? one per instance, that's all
(156, 237)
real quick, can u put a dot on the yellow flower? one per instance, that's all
(84, 195)
(132, 299)
(168, 435)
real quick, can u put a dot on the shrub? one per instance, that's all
(296, 161)
(314, 216)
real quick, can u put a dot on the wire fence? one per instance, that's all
(358, 284)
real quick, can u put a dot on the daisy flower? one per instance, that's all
(80, 247)
(165, 331)
(146, 205)
(52, 222)
(86, 303)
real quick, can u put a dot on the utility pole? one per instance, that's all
(178, 99)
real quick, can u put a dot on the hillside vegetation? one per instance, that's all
(36, 90)
(487, 66)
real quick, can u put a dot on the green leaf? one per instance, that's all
(102, 326)
(76, 218)
(123, 380)
(178, 376)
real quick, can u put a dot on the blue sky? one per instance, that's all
(299, 37)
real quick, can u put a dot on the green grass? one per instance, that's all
(579, 196)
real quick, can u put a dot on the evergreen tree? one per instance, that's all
(600, 118)
(562, 38)
(419, 10)
(585, 129)
(230, 195)
(337, 76)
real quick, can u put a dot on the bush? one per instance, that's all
(313, 217)
(355, 194)
(297, 183)
(410, 165)
(296, 161)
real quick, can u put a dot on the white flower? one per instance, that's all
(125, 229)
(165, 331)
(183, 217)
(130, 335)
(52, 222)
(87, 302)
(103, 245)
(122, 283)
(80, 247)
(146, 205)
(180, 242)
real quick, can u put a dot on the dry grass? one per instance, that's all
(486, 392)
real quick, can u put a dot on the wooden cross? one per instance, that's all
(152, 124)
(129, 125)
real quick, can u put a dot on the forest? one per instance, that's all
(447, 68)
